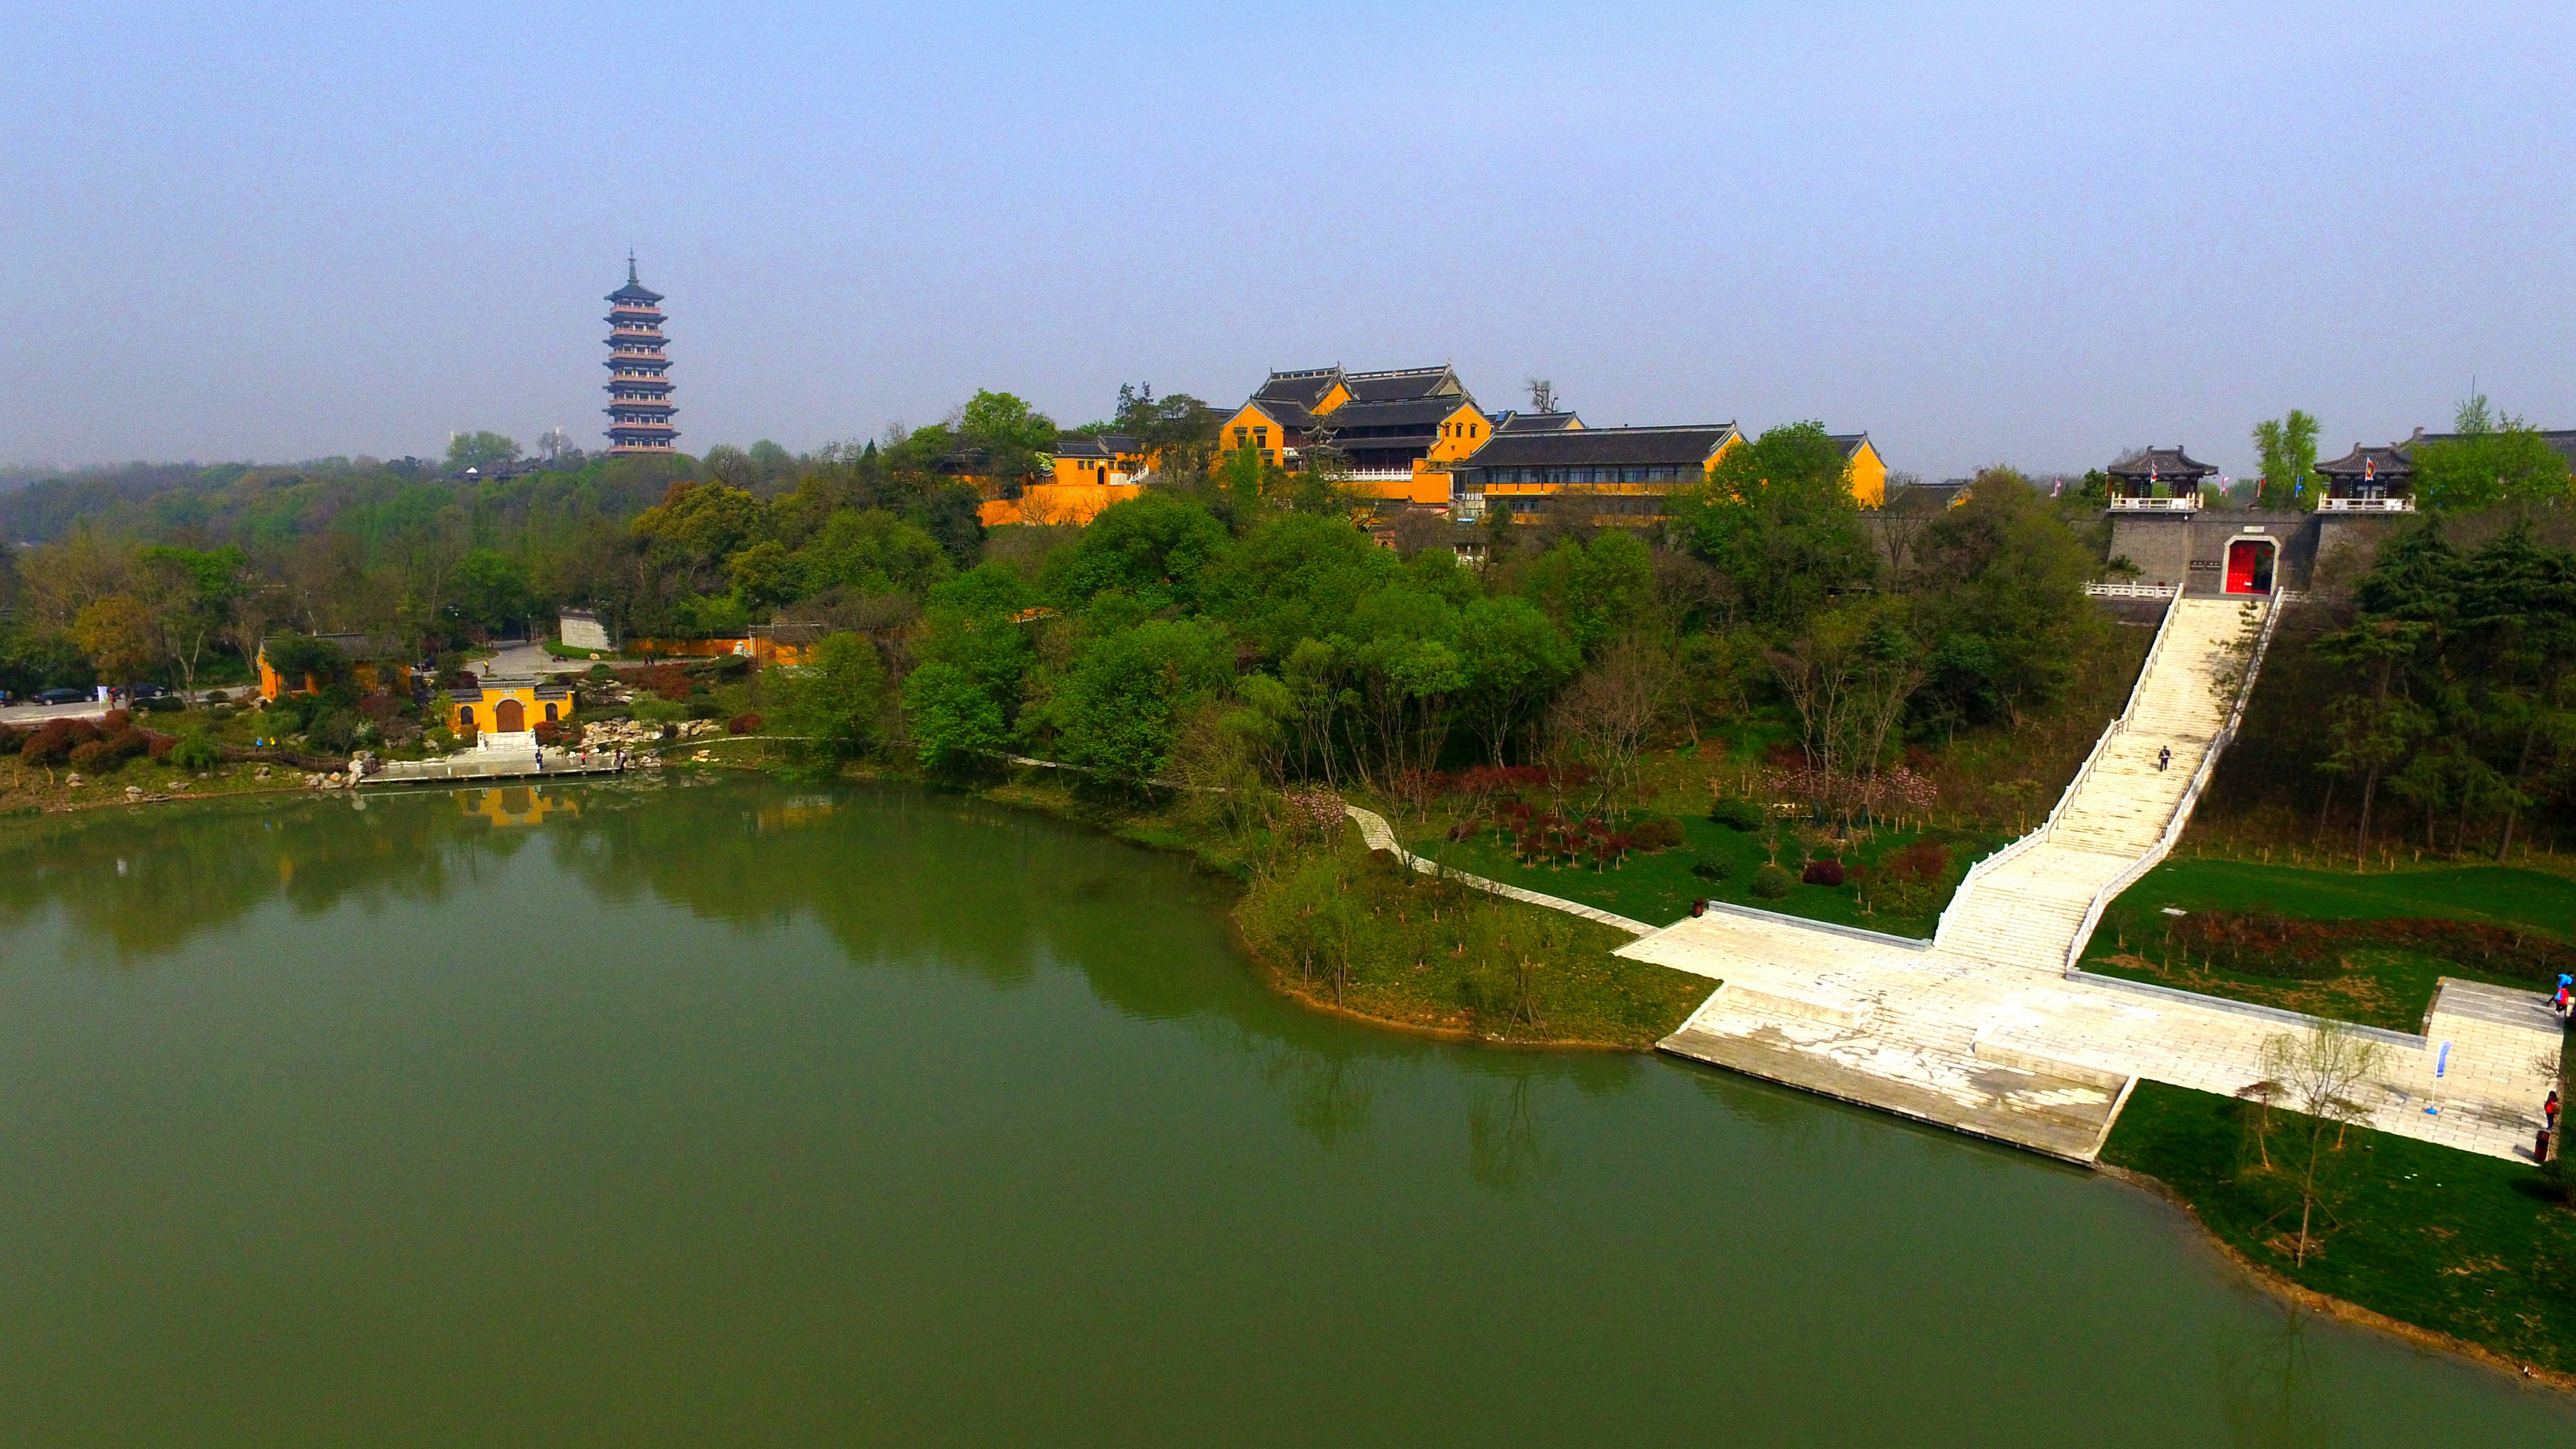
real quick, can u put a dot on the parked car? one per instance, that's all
(146, 691)
(65, 695)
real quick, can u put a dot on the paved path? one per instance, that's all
(1988, 1032)
(1374, 830)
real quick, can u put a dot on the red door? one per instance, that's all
(511, 717)
(2249, 567)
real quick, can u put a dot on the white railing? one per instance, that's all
(2120, 504)
(2133, 591)
(2119, 725)
(2366, 505)
(2191, 793)
(1380, 475)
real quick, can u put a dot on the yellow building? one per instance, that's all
(375, 666)
(1868, 469)
(1087, 474)
(1399, 430)
(508, 706)
(1622, 475)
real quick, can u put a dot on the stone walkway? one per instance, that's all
(1380, 836)
(1987, 1030)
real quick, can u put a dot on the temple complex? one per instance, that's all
(639, 391)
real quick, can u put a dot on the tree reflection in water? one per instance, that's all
(2270, 1385)
(896, 878)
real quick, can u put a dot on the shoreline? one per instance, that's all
(2342, 1310)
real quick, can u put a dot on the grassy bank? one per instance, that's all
(1355, 933)
(2377, 976)
(1352, 929)
(2444, 1240)
(1718, 862)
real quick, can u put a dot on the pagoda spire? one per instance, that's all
(639, 386)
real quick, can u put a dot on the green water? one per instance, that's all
(733, 1114)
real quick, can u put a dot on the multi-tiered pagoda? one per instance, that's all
(639, 392)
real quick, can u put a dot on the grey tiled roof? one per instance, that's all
(2385, 462)
(1402, 384)
(2163, 465)
(1602, 447)
(1517, 422)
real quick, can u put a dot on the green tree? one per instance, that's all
(117, 635)
(480, 450)
(1116, 709)
(870, 551)
(488, 590)
(1297, 576)
(1151, 548)
(191, 593)
(1592, 590)
(2000, 584)
(952, 717)
(1778, 519)
(837, 698)
(2509, 463)
(1013, 437)
(2288, 448)
(1514, 657)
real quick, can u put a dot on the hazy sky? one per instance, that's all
(1981, 232)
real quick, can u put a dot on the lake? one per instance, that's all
(733, 1112)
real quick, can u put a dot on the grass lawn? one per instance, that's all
(1659, 889)
(2432, 1236)
(2386, 987)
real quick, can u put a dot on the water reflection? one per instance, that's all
(2270, 1387)
(1504, 1149)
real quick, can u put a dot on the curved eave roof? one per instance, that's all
(2382, 462)
(2161, 463)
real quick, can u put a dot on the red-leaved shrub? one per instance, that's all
(1823, 873)
(743, 724)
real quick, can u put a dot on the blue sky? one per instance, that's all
(1982, 232)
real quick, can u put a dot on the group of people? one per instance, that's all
(2563, 1000)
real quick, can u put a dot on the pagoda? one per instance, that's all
(639, 394)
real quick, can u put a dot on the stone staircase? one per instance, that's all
(2025, 906)
(1988, 1031)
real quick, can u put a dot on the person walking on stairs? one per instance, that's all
(2164, 757)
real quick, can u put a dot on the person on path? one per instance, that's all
(2549, 1112)
(2164, 757)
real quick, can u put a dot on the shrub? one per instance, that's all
(1653, 836)
(1771, 882)
(218, 697)
(743, 724)
(1736, 813)
(55, 739)
(1823, 873)
(333, 731)
(653, 710)
(1712, 867)
(162, 704)
(196, 750)
(159, 745)
(104, 756)
(669, 681)
(549, 732)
